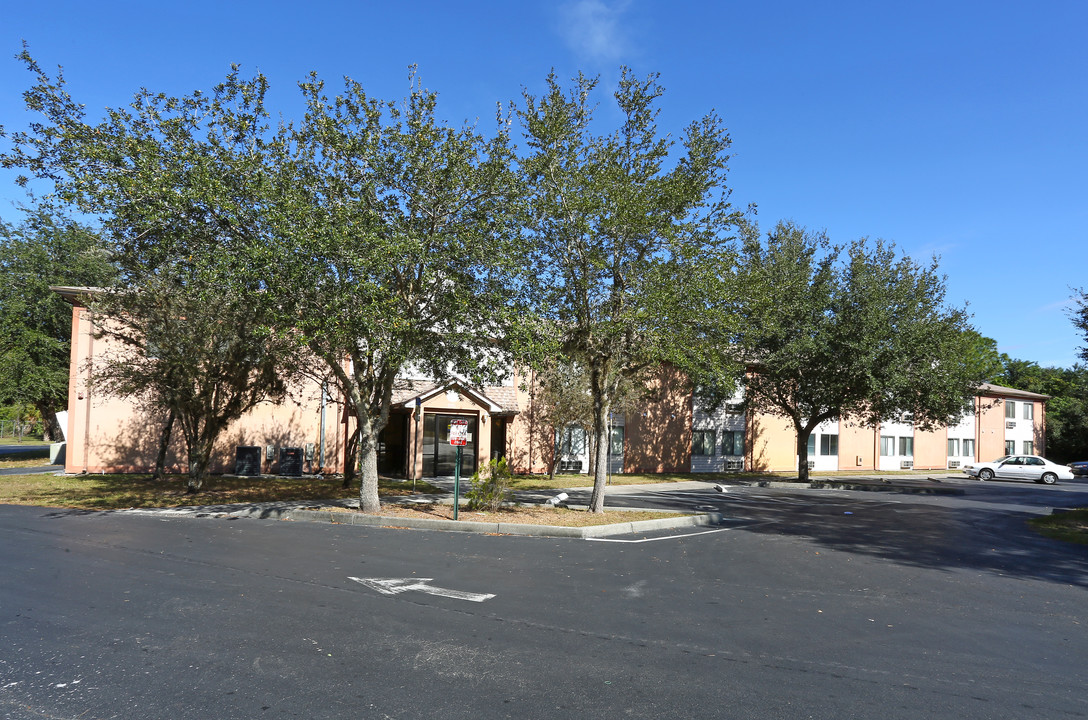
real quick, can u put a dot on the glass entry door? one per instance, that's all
(439, 456)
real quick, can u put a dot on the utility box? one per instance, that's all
(247, 460)
(291, 461)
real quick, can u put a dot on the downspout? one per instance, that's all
(321, 459)
(90, 369)
(416, 441)
(978, 428)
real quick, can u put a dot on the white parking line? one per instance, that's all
(670, 537)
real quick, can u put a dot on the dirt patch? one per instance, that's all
(525, 515)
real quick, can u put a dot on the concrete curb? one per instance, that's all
(476, 526)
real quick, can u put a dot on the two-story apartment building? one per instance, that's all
(669, 432)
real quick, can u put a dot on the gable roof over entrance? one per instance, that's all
(496, 400)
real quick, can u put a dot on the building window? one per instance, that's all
(733, 443)
(1010, 447)
(887, 446)
(1029, 411)
(1010, 410)
(812, 445)
(1029, 447)
(969, 448)
(953, 447)
(615, 441)
(573, 442)
(702, 442)
(906, 446)
(829, 444)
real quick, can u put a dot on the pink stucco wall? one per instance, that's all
(110, 434)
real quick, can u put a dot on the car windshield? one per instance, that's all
(1003, 458)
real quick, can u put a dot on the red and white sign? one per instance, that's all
(458, 432)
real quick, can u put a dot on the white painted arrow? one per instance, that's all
(395, 586)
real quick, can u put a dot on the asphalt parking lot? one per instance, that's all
(822, 604)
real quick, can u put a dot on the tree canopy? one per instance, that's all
(44, 249)
(178, 184)
(1079, 316)
(391, 251)
(859, 331)
(369, 236)
(619, 236)
(370, 241)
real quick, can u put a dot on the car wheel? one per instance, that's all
(985, 474)
(1048, 478)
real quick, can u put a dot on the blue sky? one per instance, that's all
(951, 128)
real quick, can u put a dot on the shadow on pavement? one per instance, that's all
(943, 538)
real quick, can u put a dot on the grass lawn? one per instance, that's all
(121, 492)
(9, 461)
(118, 492)
(525, 515)
(27, 441)
(1071, 526)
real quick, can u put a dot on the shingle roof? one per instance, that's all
(505, 398)
(991, 389)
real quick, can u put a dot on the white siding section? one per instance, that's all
(818, 446)
(894, 459)
(615, 462)
(574, 451)
(1018, 429)
(961, 438)
(721, 421)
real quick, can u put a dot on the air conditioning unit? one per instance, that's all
(906, 465)
(1010, 424)
(952, 464)
(734, 464)
(291, 461)
(247, 461)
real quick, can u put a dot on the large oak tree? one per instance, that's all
(860, 332)
(391, 248)
(179, 187)
(624, 237)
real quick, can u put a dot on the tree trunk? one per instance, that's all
(601, 408)
(51, 430)
(351, 457)
(164, 446)
(802, 454)
(198, 468)
(368, 455)
(556, 446)
(200, 452)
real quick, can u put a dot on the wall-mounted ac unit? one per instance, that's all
(1010, 424)
(953, 464)
(734, 464)
(906, 465)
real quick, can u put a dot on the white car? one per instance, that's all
(1020, 467)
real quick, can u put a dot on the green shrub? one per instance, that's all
(490, 486)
